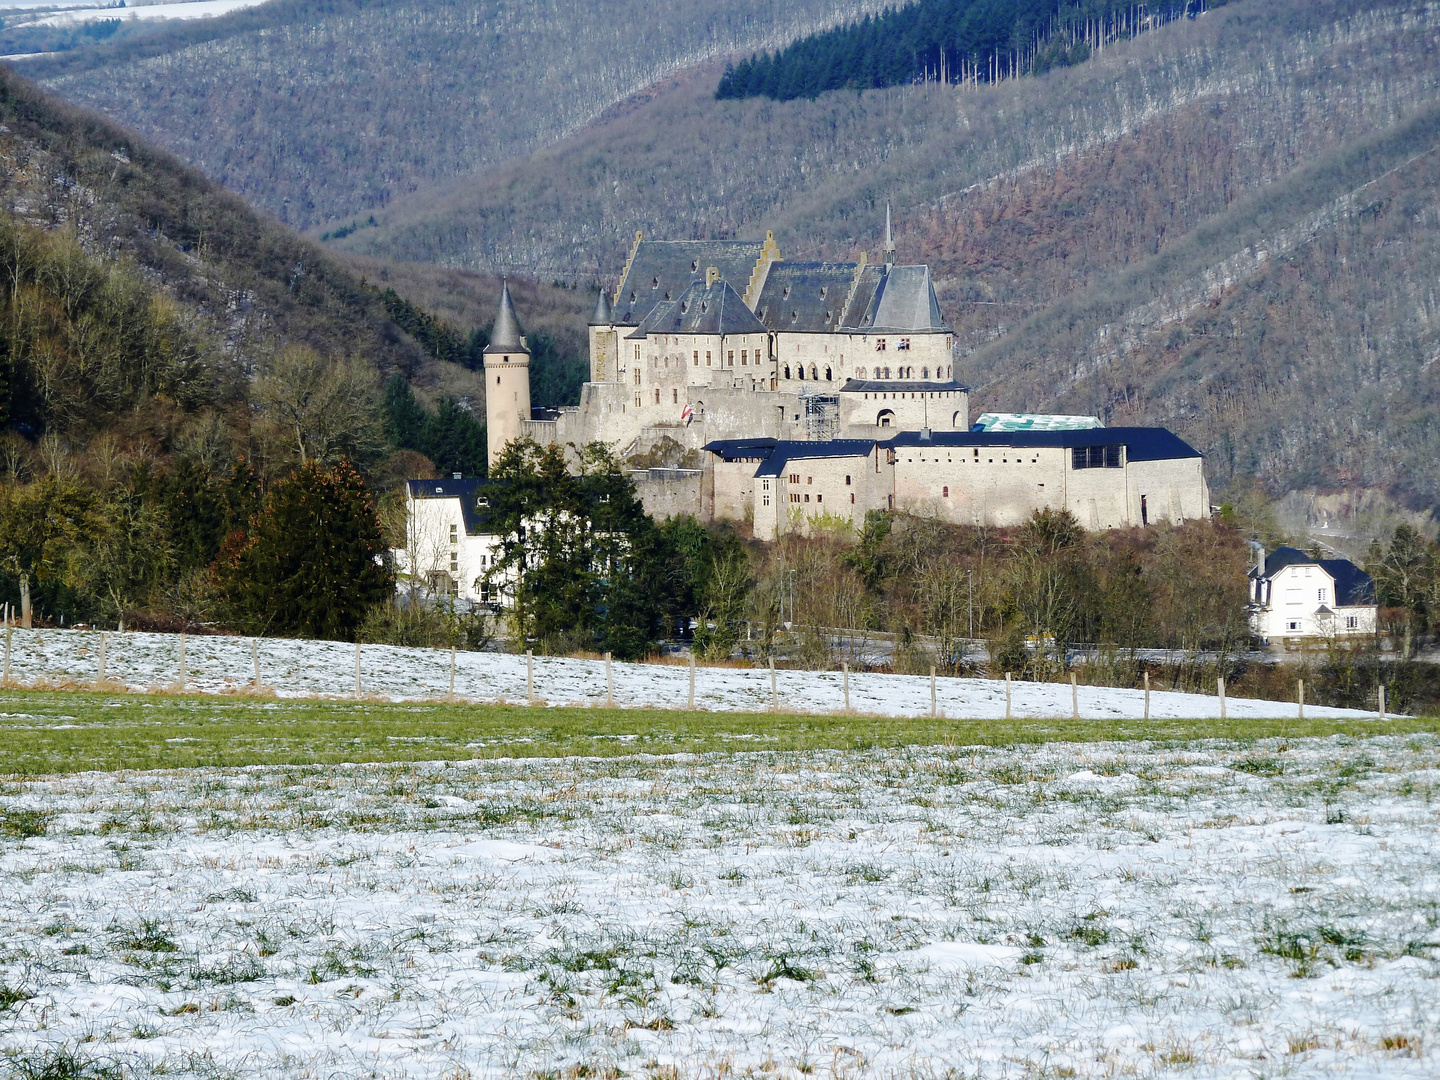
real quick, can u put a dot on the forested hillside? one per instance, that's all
(317, 110)
(948, 41)
(1029, 193)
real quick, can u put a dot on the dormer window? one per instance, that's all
(794, 316)
(785, 293)
(632, 296)
(822, 292)
(654, 283)
(694, 266)
(704, 306)
(667, 294)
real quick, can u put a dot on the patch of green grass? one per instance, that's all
(56, 732)
(23, 823)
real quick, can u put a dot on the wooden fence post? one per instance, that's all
(774, 694)
(255, 659)
(609, 684)
(1300, 697)
(1007, 695)
(1220, 689)
(1074, 697)
(452, 672)
(100, 678)
(357, 669)
(182, 661)
(1147, 693)
(8, 632)
(846, 668)
(1382, 697)
(530, 676)
(932, 692)
(691, 700)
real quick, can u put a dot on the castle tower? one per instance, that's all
(604, 349)
(507, 378)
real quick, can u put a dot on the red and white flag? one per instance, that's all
(687, 414)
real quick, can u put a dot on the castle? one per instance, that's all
(808, 394)
(720, 339)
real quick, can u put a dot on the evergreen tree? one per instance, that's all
(308, 566)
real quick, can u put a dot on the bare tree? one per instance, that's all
(321, 409)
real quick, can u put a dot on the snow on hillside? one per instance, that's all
(193, 9)
(1106, 910)
(321, 668)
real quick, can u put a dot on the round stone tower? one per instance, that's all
(507, 379)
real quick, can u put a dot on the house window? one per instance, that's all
(1321, 596)
(454, 534)
(1352, 622)
(454, 561)
(1293, 624)
(880, 344)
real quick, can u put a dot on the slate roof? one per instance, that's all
(1141, 443)
(805, 297)
(663, 269)
(467, 490)
(603, 314)
(1353, 587)
(903, 302)
(702, 309)
(776, 454)
(877, 386)
(507, 335)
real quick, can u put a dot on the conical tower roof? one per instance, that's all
(507, 335)
(603, 315)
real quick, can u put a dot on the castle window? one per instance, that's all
(807, 496)
(696, 355)
(744, 357)
(657, 395)
(637, 376)
(675, 397)
(765, 485)
(924, 373)
(637, 401)
(860, 373)
(730, 358)
(847, 481)
(707, 357)
(819, 497)
(852, 498)
(813, 373)
(810, 480)
(1095, 457)
(497, 380)
(904, 343)
(828, 375)
(945, 492)
(880, 344)
(637, 352)
(794, 478)
(787, 372)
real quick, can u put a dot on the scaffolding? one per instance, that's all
(822, 415)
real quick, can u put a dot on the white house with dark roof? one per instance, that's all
(1294, 597)
(447, 546)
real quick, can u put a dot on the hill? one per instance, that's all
(1059, 210)
(413, 93)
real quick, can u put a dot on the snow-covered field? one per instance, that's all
(183, 9)
(1098, 910)
(321, 668)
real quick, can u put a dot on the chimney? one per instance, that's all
(712, 275)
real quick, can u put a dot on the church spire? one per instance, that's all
(889, 247)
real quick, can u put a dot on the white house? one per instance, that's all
(447, 549)
(1295, 597)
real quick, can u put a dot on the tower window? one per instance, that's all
(847, 481)
(675, 397)
(697, 358)
(637, 352)
(707, 358)
(657, 395)
(945, 492)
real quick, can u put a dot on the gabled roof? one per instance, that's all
(467, 490)
(805, 297)
(663, 269)
(507, 335)
(1141, 443)
(742, 449)
(713, 308)
(1353, 587)
(776, 454)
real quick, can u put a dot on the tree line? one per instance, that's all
(946, 41)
